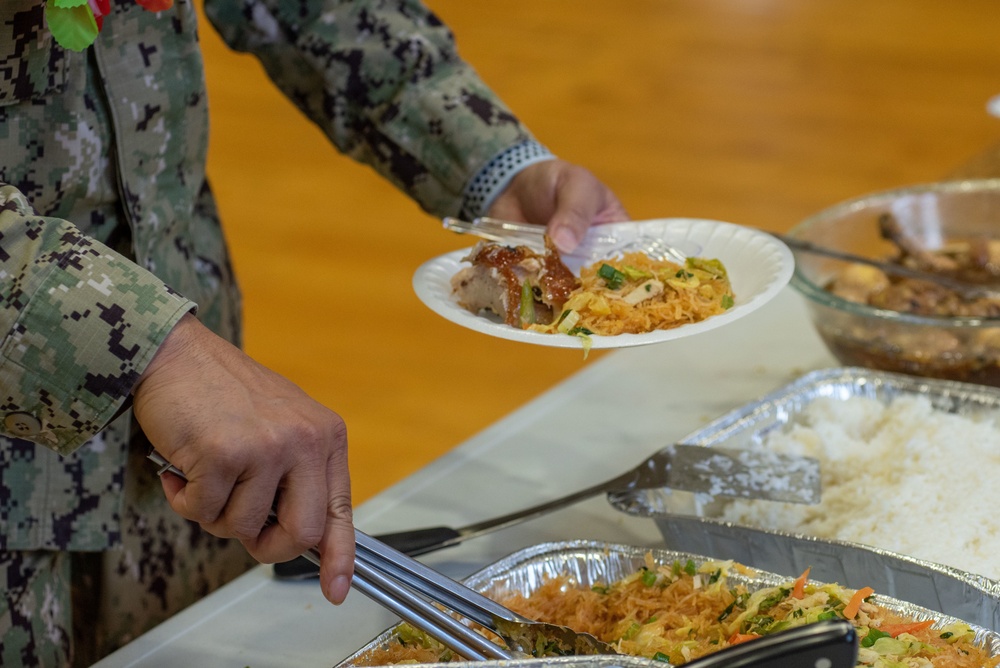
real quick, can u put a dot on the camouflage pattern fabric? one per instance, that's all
(72, 608)
(35, 617)
(164, 564)
(109, 233)
(383, 80)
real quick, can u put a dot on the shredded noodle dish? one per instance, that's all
(678, 612)
(629, 294)
(635, 294)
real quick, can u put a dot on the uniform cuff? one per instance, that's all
(496, 175)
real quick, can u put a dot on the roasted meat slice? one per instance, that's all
(500, 274)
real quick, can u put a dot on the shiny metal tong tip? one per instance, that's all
(410, 590)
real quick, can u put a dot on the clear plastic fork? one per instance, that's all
(601, 241)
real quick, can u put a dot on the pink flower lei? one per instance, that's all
(75, 23)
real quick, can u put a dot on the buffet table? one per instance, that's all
(592, 426)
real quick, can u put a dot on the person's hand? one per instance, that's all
(565, 197)
(243, 436)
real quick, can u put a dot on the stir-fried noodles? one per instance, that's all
(635, 294)
(679, 611)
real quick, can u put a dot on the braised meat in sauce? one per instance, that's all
(501, 276)
(975, 261)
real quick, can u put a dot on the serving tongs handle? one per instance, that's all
(449, 593)
(375, 566)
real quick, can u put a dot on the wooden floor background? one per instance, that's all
(758, 112)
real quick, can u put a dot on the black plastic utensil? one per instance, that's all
(827, 644)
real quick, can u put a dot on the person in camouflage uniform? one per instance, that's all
(110, 243)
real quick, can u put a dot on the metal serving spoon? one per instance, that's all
(967, 290)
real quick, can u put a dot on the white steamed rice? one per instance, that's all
(904, 477)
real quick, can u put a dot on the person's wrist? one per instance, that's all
(175, 344)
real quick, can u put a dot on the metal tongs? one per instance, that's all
(408, 588)
(399, 583)
(831, 643)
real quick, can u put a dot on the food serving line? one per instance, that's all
(597, 423)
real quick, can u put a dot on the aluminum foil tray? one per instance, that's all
(592, 562)
(687, 523)
(557, 662)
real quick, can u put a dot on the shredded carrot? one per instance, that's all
(852, 607)
(799, 589)
(737, 638)
(906, 627)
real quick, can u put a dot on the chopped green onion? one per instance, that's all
(611, 276)
(727, 301)
(711, 266)
(774, 599)
(873, 635)
(632, 631)
(568, 321)
(634, 274)
(527, 311)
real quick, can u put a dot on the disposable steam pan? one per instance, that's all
(687, 523)
(591, 562)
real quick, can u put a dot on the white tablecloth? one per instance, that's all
(598, 423)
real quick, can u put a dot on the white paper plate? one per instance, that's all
(759, 266)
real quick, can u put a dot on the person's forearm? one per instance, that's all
(385, 83)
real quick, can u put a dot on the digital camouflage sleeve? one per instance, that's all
(82, 323)
(384, 81)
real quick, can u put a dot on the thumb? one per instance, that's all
(581, 200)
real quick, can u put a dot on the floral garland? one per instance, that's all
(75, 23)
